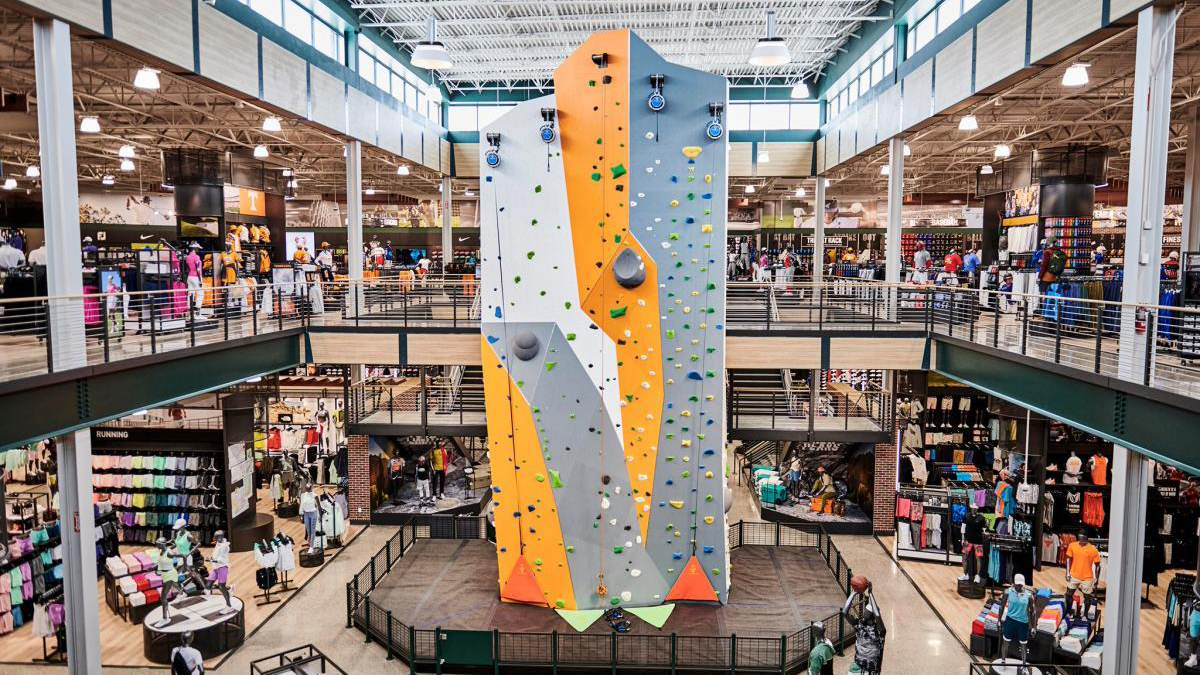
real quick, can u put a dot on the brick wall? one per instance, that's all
(360, 479)
(885, 488)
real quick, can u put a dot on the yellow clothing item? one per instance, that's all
(438, 457)
(228, 268)
(301, 256)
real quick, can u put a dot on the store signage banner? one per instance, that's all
(113, 209)
(245, 201)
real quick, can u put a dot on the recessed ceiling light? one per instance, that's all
(770, 50)
(968, 123)
(33, 171)
(1002, 151)
(254, 379)
(1076, 75)
(271, 123)
(127, 165)
(146, 78)
(801, 192)
(369, 191)
(89, 125)
(260, 151)
(287, 172)
(125, 152)
(402, 170)
(468, 193)
(430, 53)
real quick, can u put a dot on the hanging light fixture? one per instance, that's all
(89, 125)
(125, 152)
(800, 90)
(801, 192)
(10, 183)
(1003, 151)
(127, 165)
(146, 78)
(431, 54)
(764, 157)
(749, 189)
(293, 184)
(885, 170)
(33, 171)
(402, 170)
(986, 169)
(261, 152)
(271, 123)
(287, 172)
(968, 123)
(1076, 75)
(369, 191)
(770, 50)
(108, 179)
(468, 193)
(907, 150)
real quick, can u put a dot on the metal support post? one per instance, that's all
(819, 233)
(1191, 178)
(447, 225)
(354, 231)
(895, 197)
(1127, 536)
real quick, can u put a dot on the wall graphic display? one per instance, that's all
(602, 228)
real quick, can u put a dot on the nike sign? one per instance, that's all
(144, 237)
(462, 239)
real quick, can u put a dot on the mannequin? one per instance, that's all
(423, 475)
(324, 430)
(220, 572)
(972, 552)
(229, 264)
(1074, 467)
(1192, 612)
(396, 474)
(310, 512)
(869, 631)
(1016, 614)
(191, 661)
(194, 271)
(164, 562)
(1098, 467)
(185, 541)
(823, 489)
(325, 262)
(1083, 568)
(820, 657)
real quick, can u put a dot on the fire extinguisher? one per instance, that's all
(1139, 319)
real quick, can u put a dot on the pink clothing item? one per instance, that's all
(193, 264)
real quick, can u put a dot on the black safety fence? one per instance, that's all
(438, 648)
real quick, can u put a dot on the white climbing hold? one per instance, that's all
(649, 135)
(626, 596)
(635, 573)
(604, 503)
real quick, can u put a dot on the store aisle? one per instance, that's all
(915, 633)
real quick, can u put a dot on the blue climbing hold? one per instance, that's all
(531, 507)
(695, 375)
(677, 555)
(498, 311)
(670, 481)
(496, 488)
(707, 452)
(489, 179)
(708, 549)
(689, 220)
(708, 421)
(674, 179)
(706, 195)
(492, 339)
(516, 514)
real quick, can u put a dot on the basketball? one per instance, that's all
(859, 584)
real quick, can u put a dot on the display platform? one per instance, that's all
(389, 513)
(214, 632)
(452, 584)
(853, 521)
(1013, 667)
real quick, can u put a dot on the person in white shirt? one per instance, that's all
(325, 262)
(10, 257)
(191, 657)
(38, 255)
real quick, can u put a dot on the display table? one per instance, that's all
(243, 535)
(213, 633)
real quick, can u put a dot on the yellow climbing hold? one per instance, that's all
(708, 178)
(691, 151)
(706, 228)
(677, 503)
(708, 519)
(674, 202)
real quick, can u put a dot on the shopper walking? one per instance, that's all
(1053, 262)
(921, 262)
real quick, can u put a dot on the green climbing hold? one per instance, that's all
(599, 141)
(560, 603)
(556, 481)
(712, 286)
(670, 332)
(615, 601)
(550, 365)
(529, 255)
(618, 170)
(570, 549)
(533, 222)
(537, 188)
(618, 549)
(686, 473)
(708, 498)
(539, 477)
(596, 175)
(618, 311)
(716, 571)
(691, 195)
(674, 236)
(517, 279)
(537, 561)
(617, 238)
(567, 304)
(629, 397)
(570, 336)
(591, 83)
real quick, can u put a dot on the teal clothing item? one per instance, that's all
(1010, 504)
(821, 654)
(1018, 604)
(183, 544)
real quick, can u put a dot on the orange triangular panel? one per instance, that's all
(693, 584)
(522, 586)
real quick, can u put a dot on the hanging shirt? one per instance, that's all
(1099, 464)
(1005, 504)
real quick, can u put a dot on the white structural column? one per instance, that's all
(354, 221)
(60, 207)
(1143, 242)
(447, 226)
(895, 197)
(819, 232)
(1191, 181)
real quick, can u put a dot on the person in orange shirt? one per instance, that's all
(1083, 568)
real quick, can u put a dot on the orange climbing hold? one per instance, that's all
(693, 584)
(523, 587)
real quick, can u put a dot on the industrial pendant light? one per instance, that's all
(146, 78)
(800, 90)
(402, 170)
(1076, 75)
(1003, 151)
(260, 151)
(986, 169)
(968, 123)
(33, 171)
(10, 183)
(108, 179)
(431, 54)
(89, 125)
(127, 165)
(125, 152)
(749, 189)
(885, 170)
(770, 50)
(764, 157)
(907, 150)
(271, 123)
(801, 192)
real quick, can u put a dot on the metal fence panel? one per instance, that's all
(643, 650)
(707, 652)
(425, 645)
(758, 652)
(526, 648)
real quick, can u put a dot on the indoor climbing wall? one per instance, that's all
(602, 334)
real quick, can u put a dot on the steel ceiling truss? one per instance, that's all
(510, 41)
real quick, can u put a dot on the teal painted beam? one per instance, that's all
(50, 405)
(1144, 419)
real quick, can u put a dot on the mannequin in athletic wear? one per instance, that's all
(1016, 615)
(973, 528)
(219, 575)
(820, 657)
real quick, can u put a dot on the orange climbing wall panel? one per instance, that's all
(516, 460)
(594, 118)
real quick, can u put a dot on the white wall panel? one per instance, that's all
(831, 148)
(1057, 23)
(430, 149)
(224, 44)
(283, 79)
(86, 13)
(412, 140)
(466, 159)
(846, 136)
(820, 150)
(161, 28)
(444, 150)
(865, 138)
(740, 160)
(328, 99)
(888, 114)
(792, 158)
(391, 131)
(952, 73)
(1119, 8)
(996, 48)
(918, 95)
(361, 116)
